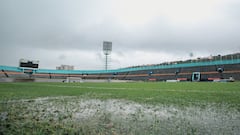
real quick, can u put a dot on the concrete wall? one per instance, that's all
(230, 70)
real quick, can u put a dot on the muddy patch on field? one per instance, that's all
(113, 116)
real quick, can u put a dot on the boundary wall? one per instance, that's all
(161, 72)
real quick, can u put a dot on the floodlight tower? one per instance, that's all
(107, 49)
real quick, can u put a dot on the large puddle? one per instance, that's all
(122, 116)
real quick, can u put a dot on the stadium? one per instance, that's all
(224, 68)
(137, 100)
(174, 69)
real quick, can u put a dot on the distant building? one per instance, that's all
(65, 67)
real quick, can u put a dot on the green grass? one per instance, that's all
(120, 108)
(152, 93)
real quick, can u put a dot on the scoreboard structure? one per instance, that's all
(24, 63)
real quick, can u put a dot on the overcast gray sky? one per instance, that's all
(71, 32)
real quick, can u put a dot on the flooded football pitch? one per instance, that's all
(82, 115)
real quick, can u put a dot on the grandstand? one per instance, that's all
(209, 69)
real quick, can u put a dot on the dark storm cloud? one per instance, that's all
(65, 25)
(79, 24)
(48, 24)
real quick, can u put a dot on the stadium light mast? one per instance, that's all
(107, 49)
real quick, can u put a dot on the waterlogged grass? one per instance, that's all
(120, 108)
(152, 93)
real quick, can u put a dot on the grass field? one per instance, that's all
(120, 108)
